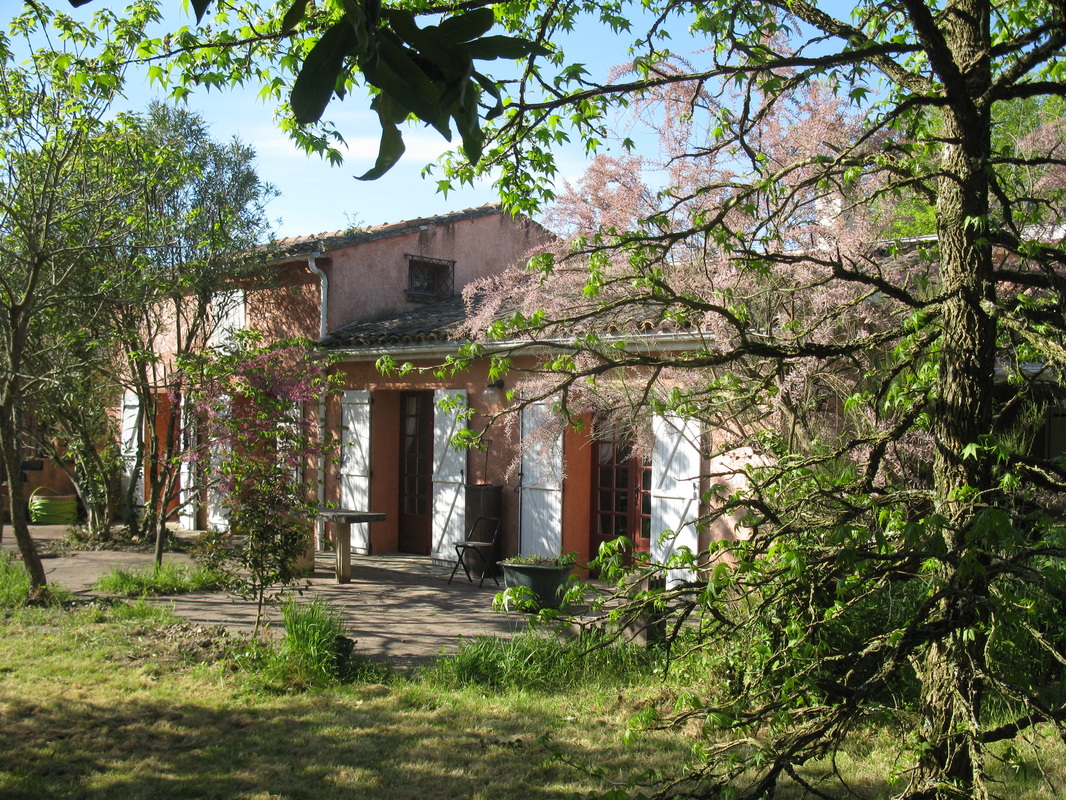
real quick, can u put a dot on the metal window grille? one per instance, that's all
(429, 278)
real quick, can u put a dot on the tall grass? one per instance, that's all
(317, 650)
(167, 578)
(14, 582)
(543, 663)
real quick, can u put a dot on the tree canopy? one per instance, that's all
(116, 230)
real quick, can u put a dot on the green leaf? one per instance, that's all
(489, 86)
(406, 82)
(389, 151)
(492, 47)
(469, 125)
(464, 27)
(432, 45)
(294, 15)
(314, 86)
(199, 6)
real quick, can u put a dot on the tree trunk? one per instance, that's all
(12, 456)
(953, 690)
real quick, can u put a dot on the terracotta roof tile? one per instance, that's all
(436, 322)
(321, 242)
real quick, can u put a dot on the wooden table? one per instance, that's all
(344, 518)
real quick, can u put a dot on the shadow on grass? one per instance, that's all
(312, 746)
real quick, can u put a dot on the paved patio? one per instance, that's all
(399, 607)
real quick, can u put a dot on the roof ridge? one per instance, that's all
(386, 229)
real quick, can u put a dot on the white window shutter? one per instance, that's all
(186, 480)
(541, 488)
(449, 477)
(217, 513)
(675, 484)
(228, 311)
(132, 445)
(355, 462)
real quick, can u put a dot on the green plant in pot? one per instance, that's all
(537, 581)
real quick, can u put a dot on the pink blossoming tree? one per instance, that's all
(257, 451)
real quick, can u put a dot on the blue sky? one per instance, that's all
(315, 196)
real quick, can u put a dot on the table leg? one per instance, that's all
(343, 548)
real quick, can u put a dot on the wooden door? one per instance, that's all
(621, 499)
(416, 472)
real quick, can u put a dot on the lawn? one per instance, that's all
(99, 704)
(124, 700)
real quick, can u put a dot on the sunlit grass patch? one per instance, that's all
(14, 582)
(167, 578)
(535, 662)
(316, 651)
(123, 700)
(106, 709)
(15, 588)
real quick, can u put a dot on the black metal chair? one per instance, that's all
(480, 548)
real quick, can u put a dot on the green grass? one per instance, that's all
(15, 586)
(14, 582)
(317, 650)
(534, 662)
(99, 707)
(167, 578)
(123, 700)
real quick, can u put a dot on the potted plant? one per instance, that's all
(544, 577)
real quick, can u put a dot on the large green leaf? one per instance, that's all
(468, 123)
(448, 56)
(318, 77)
(199, 6)
(389, 150)
(398, 76)
(472, 24)
(490, 86)
(491, 47)
(364, 18)
(294, 15)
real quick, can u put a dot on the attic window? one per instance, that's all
(429, 279)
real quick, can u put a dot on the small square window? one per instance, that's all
(429, 279)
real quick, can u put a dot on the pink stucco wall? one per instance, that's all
(368, 280)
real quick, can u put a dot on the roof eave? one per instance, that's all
(415, 350)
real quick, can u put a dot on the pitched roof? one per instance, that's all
(321, 242)
(438, 322)
(435, 322)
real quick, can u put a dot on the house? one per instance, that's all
(394, 291)
(371, 277)
(569, 493)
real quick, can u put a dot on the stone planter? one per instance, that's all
(547, 583)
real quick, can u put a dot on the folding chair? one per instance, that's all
(480, 548)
